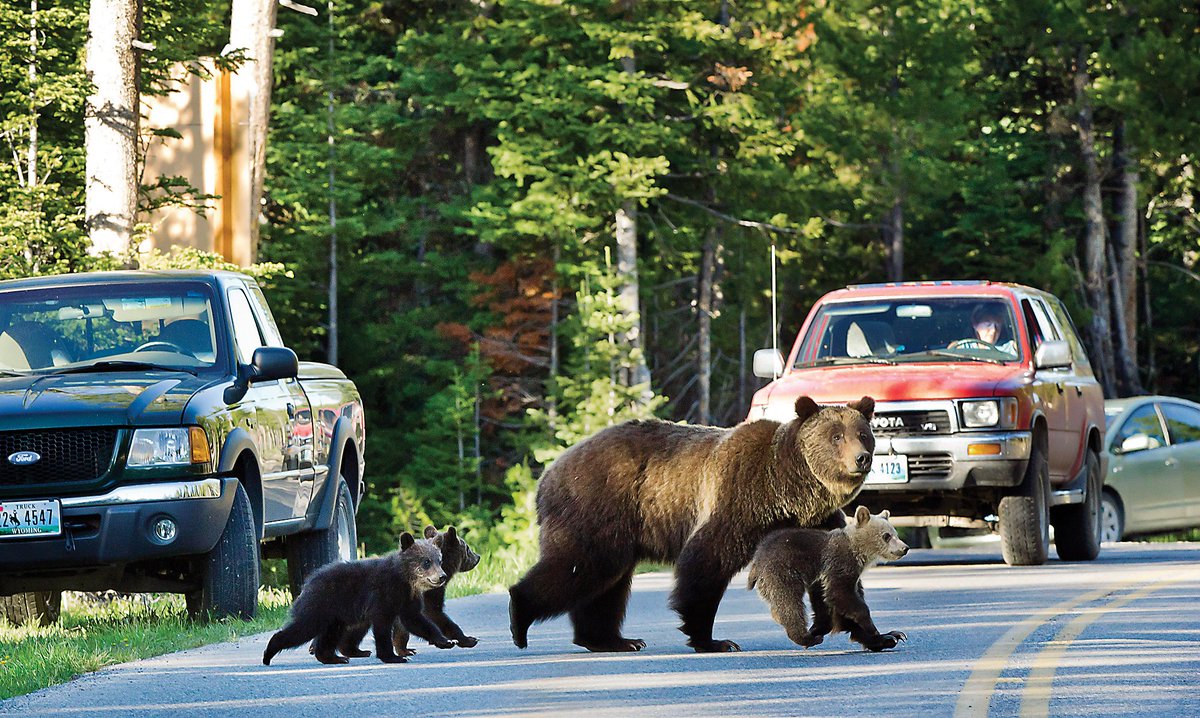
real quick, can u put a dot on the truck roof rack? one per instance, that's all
(925, 283)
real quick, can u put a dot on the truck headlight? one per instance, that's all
(989, 413)
(168, 447)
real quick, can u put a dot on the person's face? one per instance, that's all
(988, 330)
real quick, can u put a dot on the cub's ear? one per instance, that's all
(406, 541)
(864, 406)
(862, 515)
(430, 532)
(451, 534)
(885, 514)
(806, 408)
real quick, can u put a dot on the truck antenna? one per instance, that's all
(774, 316)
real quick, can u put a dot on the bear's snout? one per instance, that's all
(863, 461)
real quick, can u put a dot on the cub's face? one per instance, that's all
(457, 556)
(838, 443)
(874, 537)
(422, 563)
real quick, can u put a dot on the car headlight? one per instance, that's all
(168, 447)
(989, 413)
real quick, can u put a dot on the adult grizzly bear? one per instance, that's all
(699, 496)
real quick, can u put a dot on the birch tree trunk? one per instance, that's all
(110, 122)
(1095, 241)
(705, 295)
(1125, 304)
(250, 25)
(627, 272)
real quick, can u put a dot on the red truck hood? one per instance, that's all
(900, 382)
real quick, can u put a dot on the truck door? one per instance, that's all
(1084, 394)
(279, 410)
(1052, 391)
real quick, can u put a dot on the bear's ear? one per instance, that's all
(430, 532)
(885, 514)
(864, 406)
(406, 541)
(806, 408)
(451, 534)
(862, 515)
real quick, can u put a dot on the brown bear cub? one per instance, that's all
(828, 565)
(375, 591)
(699, 496)
(457, 557)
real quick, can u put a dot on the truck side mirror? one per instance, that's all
(1052, 355)
(270, 363)
(768, 363)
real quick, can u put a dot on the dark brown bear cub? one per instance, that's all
(699, 496)
(457, 557)
(376, 591)
(828, 565)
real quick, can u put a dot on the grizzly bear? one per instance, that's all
(457, 557)
(829, 566)
(699, 496)
(377, 591)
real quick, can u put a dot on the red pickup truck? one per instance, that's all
(987, 413)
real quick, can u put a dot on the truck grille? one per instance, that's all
(929, 466)
(911, 423)
(68, 456)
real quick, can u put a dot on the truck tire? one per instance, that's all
(1025, 516)
(1077, 526)
(309, 551)
(37, 607)
(229, 573)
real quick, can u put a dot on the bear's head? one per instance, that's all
(834, 443)
(422, 563)
(873, 538)
(457, 556)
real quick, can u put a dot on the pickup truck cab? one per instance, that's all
(987, 413)
(156, 435)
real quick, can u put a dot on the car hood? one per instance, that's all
(99, 399)
(898, 382)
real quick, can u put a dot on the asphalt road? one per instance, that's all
(1118, 636)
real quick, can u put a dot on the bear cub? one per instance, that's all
(375, 591)
(457, 557)
(828, 565)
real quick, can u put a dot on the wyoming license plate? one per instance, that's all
(30, 518)
(889, 469)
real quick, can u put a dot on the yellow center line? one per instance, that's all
(1035, 699)
(976, 695)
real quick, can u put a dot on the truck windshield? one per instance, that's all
(911, 330)
(115, 327)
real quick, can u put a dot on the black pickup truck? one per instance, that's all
(156, 435)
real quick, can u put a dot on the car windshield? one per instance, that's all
(111, 327)
(894, 331)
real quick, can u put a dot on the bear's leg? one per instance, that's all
(435, 610)
(848, 601)
(381, 630)
(785, 597)
(548, 590)
(400, 638)
(290, 636)
(598, 620)
(349, 646)
(326, 643)
(823, 619)
(705, 566)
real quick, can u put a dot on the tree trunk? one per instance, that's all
(627, 271)
(1126, 257)
(705, 294)
(895, 233)
(250, 25)
(1095, 241)
(110, 122)
(31, 171)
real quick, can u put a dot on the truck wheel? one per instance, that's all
(229, 573)
(1025, 516)
(1077, 526)
(309, 551)
(36, 607)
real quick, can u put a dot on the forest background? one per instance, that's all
(556, 215)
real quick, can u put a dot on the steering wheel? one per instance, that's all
(972, 343)
(159, 344)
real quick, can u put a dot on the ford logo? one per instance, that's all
(24, 458)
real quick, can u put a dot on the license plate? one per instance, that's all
(889, 469)
(30, 518)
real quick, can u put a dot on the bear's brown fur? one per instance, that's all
(699, 496)
(457, 557)
(377, 591)
(828, 565)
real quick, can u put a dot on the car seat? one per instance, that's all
(866, 338)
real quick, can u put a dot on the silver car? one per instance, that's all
(1153, 480)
